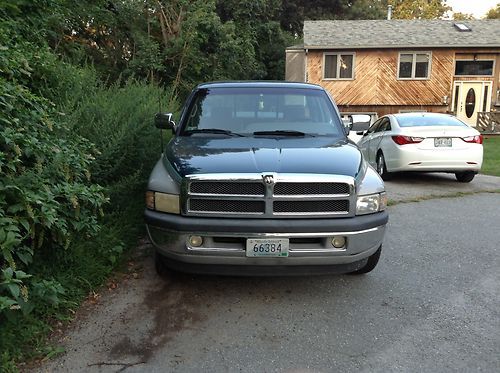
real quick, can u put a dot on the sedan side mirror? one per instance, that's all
(164, 121)
(361, 133)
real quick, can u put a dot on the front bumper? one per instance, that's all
(224, 243)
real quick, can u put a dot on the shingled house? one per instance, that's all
(390, 66)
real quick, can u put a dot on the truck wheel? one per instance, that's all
(382, 168)
(465, 177)
(370, 264)
(160, 267)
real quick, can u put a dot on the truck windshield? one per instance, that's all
(262, 111)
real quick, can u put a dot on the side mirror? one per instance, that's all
(164, 121)
(361, 133)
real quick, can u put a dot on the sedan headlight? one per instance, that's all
(163, 202)
(371, 203)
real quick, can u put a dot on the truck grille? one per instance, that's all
(293, 207)
(283, 189)
(283, 195)
(230, 206)
(227, 188)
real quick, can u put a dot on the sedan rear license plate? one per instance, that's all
(267, 247)
(440, 142)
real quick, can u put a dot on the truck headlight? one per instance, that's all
(371, 203)
(163, 202)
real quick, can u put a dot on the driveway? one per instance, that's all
(416, 186)
(432, 304)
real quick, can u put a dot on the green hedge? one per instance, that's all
(74, 158)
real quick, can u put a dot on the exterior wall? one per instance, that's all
(376, 80)
(295, 66)
(376, 87)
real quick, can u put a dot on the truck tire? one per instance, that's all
(370, 264)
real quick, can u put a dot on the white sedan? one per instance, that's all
(426, 142)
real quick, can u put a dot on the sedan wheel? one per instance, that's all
(381, 168)
(465, 177)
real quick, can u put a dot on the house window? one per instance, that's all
(414, 65)
(474, 68)
(338, 66)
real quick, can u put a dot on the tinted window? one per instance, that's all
(474, 68)
(427, 121)
(253, 109)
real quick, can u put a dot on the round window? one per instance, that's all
(470, 103)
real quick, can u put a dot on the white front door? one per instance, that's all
(469, 98)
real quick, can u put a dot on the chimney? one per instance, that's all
(389, 12)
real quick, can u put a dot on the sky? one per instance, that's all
(477, 8)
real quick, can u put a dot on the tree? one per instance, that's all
(418, 9)
(294, 12)
(462, 16)
(494, 13)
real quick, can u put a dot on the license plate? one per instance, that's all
(267, 247)
(441, 142)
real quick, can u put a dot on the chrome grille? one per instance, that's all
(268, 195)
(332, 206)
(283, 189)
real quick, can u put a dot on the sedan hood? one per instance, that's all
(316, 155)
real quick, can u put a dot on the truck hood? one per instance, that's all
(316, 155)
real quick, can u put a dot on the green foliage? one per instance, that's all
(46, 197)
(491, 161)
(458, 16)
(419, 9)
(494, 13)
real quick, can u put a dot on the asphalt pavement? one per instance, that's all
(431, 305)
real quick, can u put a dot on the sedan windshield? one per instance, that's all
(262, 111)
(429, 120)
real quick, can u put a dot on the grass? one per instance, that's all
(491, 160)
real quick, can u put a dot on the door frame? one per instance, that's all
(460, 83)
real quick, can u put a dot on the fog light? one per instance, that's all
(195, 241)
(338, 242)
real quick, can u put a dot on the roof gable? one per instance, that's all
(400, 34)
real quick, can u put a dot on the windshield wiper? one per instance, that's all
(280, 133)
(211, 130)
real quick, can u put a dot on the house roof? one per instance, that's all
(400, 34)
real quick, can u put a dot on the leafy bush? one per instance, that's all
(118, 120)
(46, 196)
(68, 145)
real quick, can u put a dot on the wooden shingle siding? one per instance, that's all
(376, 80)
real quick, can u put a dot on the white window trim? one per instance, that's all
(353, 54)
(473, 76)
(413, 65)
